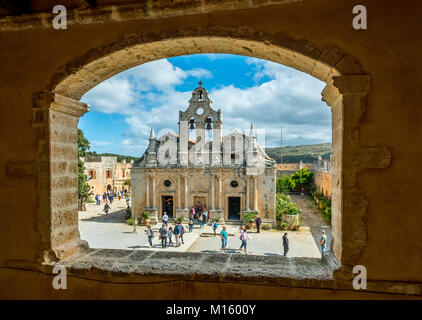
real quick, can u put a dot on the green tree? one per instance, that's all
(302, 178)
(284, 184)
(83, 187)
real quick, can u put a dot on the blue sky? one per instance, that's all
(247, 90)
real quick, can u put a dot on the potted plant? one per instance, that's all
(284, 225)
(180, 219)
(249, 217)
(145, 217)
(217, 219)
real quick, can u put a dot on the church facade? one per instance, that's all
(229, 175)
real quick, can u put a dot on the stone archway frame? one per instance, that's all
(346, 90)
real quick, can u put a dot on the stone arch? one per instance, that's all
(346, 91)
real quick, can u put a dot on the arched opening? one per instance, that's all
(345, 92)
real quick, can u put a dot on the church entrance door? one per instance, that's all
(234, 208)
(167, 205)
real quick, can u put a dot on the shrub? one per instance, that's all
(302, 178)
(145, 215)
(130, 221)
(284, 184)
(249, 216)
(180, 219)
(217, 219)
(128, 213)
(266, 226)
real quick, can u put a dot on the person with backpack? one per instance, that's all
(243, 237)
(214, 226)
(170, 236)
(106, 208)
(163, 236)
(176, 233)
(223, 236)
(191, 222)
(150, 235)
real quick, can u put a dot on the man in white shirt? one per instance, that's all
(165, 218)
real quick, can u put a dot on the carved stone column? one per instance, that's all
(147, 202)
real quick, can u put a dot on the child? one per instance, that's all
(170, 236)
(214, 226)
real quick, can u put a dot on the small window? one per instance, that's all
(123, 173)
(92, 173)
(167, 183)
(234, 184)
(109, 174)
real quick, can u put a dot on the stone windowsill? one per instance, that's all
(275, 270)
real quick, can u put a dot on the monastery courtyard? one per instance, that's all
(110, 231)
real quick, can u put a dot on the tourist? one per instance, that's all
(170, 236)
(150, 235)
(205, 216)
(182, 232)
(110, 198)
(323, 241)
(214, 226)
(201, 222)
(243, 237)
(127, 201)
(104, 197)
(285, 244)
(135, 220)
(223, 236)
(302, 192)
(191, 223)
(106, 208)
(163, 236)
(165, 218)
(176, 233)
(258, 222)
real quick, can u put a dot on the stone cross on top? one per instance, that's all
(200, 83)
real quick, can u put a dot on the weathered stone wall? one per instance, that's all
(323, 182)
(35, 58)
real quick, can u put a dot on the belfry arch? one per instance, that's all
(346, 89)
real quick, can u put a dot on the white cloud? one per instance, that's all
(286, 99)
(111, 96)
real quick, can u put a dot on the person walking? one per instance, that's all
(223, 236)
(243, 237)
(201, 222)
(285, 244)
(191, 219)
(163, 236)
(106, 208)
(258, 223)
(150, 235)
(176, 233)
(170, 236)
(205, 216)
(323, 241)
(165, 218)
(214, 226)
(127, 201)
(182, 232)
(135, 221)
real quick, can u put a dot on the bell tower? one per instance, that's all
(200, 116)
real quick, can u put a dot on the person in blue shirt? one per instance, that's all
(223, 236)
(214, 226)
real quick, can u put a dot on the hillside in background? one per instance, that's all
(291, 154)
(306, 153)
(119, 156)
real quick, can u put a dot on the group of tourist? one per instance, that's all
(108, 198)
(176, 232)
(200, 215)
(166, 235)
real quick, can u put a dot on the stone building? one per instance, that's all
(322, 176)
(228, 174)
(105, 173)
(287, 169)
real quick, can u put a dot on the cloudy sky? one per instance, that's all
(247, 90)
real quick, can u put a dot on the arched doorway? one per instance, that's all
(345, 92)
